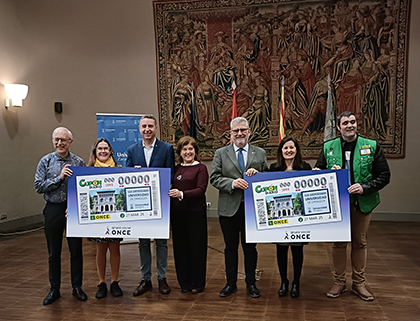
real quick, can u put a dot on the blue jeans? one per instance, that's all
(146, 258)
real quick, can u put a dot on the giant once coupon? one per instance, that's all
(110, 202)
(297, 206)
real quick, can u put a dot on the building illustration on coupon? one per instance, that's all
(102, 202)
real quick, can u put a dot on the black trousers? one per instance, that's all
(233, 229)
(55, 224)
(189, 236)
(297, 255)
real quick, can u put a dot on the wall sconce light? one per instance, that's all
(16, 93)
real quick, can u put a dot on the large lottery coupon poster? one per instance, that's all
(123, 202)
(296, 206)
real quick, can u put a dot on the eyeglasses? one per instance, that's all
(238, 130)
(63, 140)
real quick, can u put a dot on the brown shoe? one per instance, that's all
(361, 291)
(164, 287)
(336, 291)
(143, 287)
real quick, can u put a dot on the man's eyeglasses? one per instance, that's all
(63, 140)
(238, 130)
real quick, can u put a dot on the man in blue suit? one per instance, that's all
(151, 152)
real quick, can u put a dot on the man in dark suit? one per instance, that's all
(151, 152)
(228, 167)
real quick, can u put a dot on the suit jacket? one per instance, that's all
(162, 156)
(225, 169)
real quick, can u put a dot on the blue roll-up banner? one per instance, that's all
(298, 206)
(121, 130)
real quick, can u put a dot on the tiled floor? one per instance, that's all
(393, 275)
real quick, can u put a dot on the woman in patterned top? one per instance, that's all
(102, 156)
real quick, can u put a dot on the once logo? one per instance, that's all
(301, 236)
(121, 232)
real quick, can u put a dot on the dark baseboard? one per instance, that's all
(22, 224)
(395, 217)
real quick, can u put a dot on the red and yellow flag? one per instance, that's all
(234, 107)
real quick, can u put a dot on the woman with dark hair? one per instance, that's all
(188, 217)
(101, 155)
(289, 158)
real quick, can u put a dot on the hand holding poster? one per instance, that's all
(312, 206)
(112, 201)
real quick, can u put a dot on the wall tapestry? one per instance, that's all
(203, 47)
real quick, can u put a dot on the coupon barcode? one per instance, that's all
(262, 218)
(333, 202)
(84, 206)
(155, 200)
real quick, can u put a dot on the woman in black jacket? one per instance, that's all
(289, 158)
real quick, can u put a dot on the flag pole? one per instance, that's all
(234, 107)
(282, 127)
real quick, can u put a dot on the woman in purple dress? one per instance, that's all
(188, 217)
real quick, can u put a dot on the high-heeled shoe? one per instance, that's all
(295, 292)
(284, 288)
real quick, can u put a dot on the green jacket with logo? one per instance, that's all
(369, 168)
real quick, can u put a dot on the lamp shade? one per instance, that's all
(17, 93)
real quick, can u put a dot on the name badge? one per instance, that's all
(365, 151)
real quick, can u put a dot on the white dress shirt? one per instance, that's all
(148, 151)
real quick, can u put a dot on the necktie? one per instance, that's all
(241, 159)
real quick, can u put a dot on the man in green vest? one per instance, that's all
(368, 173)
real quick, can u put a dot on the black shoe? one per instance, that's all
(102, 291)
(253, 291)
(79, 294)
(115, 289)
(284, 288)
(51, 297)
(294, 293)
(228, 290)
(144, 286)
(164, 287)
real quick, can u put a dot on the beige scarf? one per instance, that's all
(109, 163)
